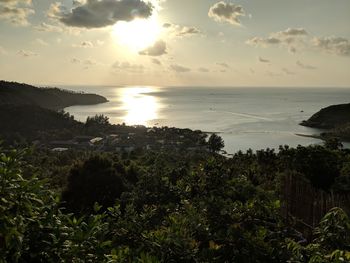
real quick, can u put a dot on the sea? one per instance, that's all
(245, 117)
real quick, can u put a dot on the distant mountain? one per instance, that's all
(330, 117)
(51, 98)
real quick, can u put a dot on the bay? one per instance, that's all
(246, 117)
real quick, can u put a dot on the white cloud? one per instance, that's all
(305, 66)
(291, 38)
(41, 42)
(179, 68)
(294, 32)
(223, 64)
(26, 53)
(84, 44)
(129, 67)
(15, 2)
(181, 31)
(100, 42)
(86, 63)
(226, 12)
(333, 45)
(44, 27)
(97, 14)
(288, 72)
(15, 15)
(258, 41)
(156, 61)
(158, 49)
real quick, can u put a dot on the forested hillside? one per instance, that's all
(52, 98)
(175, 207)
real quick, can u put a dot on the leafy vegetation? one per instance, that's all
(167, 207)
(215, 143)
(335, 118)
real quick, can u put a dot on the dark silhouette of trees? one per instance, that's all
(95, 180)
(215, 143)
(97, 123)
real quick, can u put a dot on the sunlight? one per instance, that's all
(140, 106)
(138, 34)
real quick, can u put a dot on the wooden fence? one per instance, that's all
(308, 204)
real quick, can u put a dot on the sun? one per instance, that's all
(137, 34)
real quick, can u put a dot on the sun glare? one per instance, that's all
(138, 34)
(140, 106)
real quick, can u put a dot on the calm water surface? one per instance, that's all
(246, 118)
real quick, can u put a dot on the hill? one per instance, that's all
(51, 98)
(330, 117)
(32, 122)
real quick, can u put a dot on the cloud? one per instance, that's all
(75, 61)
(100, 42)
(263, 60)
(85, 63)
(181, 31)
(294, 32)
(90, 62)
(44, 27)
(179, 68)
(41, 42)
(288, 72)
(333, 45)
(26, 53)
(98, 14)
(273, 74)
(258, 41)
(203, 70)
(299, 38)
(156, 61)
(290, 37)
(15, 2)
(305, 66)
(15, 15)
(129, 67)
(158, 49)
(223, 64)
(84, 44)
(226, 12)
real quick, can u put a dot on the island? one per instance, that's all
(334, 119)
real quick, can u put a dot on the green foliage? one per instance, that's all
(333, 143)
(97, 124)
(331, 242)
(215, 143)
(95, 180)
(320, 165)
(162, 207)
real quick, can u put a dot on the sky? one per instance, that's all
(299, 43)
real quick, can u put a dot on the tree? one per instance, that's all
(215, 143)
(97, 123)
(95, 180)
(333, 143)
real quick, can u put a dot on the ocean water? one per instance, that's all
(255, 118)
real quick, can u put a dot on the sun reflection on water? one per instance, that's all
(140, 106)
